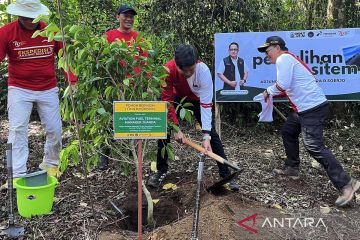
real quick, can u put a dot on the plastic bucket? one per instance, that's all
(36, 179)
(33, 201)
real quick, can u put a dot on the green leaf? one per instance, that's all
(144, 95)
(36, 33)
(170, 153)
(61, 52)
(66, 92)
(41, 18)
(73, 29)
(82, 55)
(50, 37)
(188, 104)
(188, 116)
(52, 27)
(108, 91)
(176, 128)
(98, 139)
(101, 111)
(182, 100)
(127, 82)
(182, 113)
(163, 152)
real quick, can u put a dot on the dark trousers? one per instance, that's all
(216, 144)
(311, 124)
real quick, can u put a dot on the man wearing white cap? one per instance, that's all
(32, 80)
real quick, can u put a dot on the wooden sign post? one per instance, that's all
(140, 120)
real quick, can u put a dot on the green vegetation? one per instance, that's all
(164, 24)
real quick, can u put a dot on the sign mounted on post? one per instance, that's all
(333, 55)
(140, 120)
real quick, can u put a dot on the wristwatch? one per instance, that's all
(207, 137)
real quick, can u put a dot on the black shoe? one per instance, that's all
(291, 172)
(348, 192)
(103, 162)
(234, 186)
(156, 179)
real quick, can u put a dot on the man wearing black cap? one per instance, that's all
(296, 81)
(188, 77)
(125, 16)
(124, 32)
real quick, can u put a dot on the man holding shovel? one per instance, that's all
(311, 108)
(188, 77)
(32, 80)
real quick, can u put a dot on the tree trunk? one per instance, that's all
(336, 13)
(336, 19)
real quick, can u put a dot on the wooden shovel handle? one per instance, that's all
(202, 150)
(211, 154)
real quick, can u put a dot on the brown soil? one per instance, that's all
(257, 149)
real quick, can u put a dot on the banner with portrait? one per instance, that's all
(333, 56)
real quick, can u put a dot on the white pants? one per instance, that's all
(20, 104)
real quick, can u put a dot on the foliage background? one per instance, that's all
(167, 23)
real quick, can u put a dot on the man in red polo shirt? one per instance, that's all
(32, 80)
(124, 32)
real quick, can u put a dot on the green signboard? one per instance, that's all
(140, 120)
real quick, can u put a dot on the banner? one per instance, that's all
(333, 56)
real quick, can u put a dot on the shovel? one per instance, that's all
(11, 230)
(219, 159)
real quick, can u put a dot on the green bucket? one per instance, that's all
(33, 201)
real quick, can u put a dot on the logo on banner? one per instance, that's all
(343, 33)
(249, 223)
(329, 33)
(298, 34)
(311, 34)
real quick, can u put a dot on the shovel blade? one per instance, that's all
(218, 185)
(14, 231)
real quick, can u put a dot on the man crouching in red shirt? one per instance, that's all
(188, 77)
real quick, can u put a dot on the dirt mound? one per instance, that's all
(276, 208)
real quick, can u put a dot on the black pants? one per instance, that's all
(311, 124)
(216, 144)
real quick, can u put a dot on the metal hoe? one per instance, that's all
(216, 186)
(200, 176)
(11, 230)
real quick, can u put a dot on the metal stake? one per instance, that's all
(200, 176)
(11, 230)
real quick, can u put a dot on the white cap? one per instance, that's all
(27, 8)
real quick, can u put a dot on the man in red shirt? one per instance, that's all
(32, 80)
(124, 32)
(188, 77)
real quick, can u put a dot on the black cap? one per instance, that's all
(273, 40)
(126, 8)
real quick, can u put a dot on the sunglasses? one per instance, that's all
(26, 18)
(267, 51)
